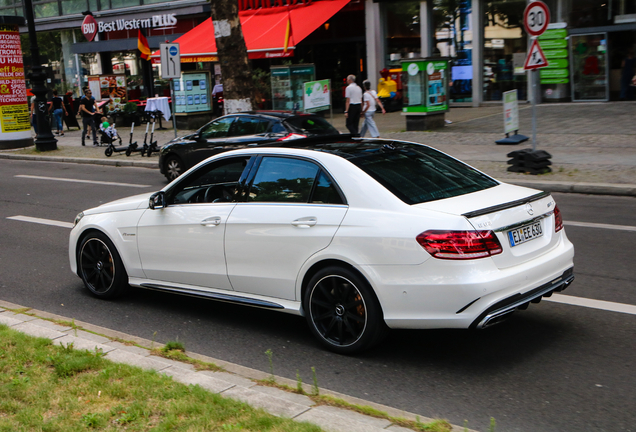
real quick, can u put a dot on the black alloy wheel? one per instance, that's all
(100, 266)
(173, 167)
(342, 311)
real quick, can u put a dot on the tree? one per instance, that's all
(238, 85)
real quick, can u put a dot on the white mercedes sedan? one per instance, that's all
(359, 236)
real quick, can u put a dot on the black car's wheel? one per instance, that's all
(109, 151)
(342, 311)
(100, 266)
(174, 167)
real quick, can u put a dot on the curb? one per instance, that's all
(236, 383)
(548, 186)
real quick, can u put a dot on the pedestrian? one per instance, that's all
(88, 110)
(370, 102)
(58, 108)
(85, 89)
(628, 73)
(353, 105)
(34, 119)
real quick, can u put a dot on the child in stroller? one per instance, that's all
(108, 133)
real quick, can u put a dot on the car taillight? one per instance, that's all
(460, 245)
(291, 136)
(558, 219)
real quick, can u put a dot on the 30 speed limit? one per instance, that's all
(536, 18)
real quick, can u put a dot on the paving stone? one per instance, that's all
(121, 356)
(50, 325)
(174, 363)
(207, 382)
(395, 428)
(231, 378)
(9, 321)
(273, 405)
(20, 317)
(88, 335)
(82, 344)
(333, 419)
(38, 331)
(282, 394)
(130, 348)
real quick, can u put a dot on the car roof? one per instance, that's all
(280, 115)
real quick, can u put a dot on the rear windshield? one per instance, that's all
(418, 174)
(311, 125)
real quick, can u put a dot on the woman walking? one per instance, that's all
(57, 106)
(369, 102)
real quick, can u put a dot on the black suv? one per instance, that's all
(236, 131)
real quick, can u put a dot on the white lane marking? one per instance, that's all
(598, 225)
(594, 304)
(83, 181)
(42, 221)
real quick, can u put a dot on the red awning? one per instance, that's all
(263, 29)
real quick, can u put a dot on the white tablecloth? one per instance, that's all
(159, 104)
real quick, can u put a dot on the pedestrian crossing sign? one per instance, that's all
(536, 59)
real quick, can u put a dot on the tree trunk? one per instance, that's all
(238, 86)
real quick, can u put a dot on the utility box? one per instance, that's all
(425, 87)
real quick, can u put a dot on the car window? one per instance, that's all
(418, 174)
(249, 126)
(214, 182)
(281, 179)
(217, 129)
(325, 191)
(277, 127)
(313, 125)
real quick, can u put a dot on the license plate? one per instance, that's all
(525, 233)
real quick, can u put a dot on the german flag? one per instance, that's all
(142, 45)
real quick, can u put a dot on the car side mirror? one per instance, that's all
(157, 200)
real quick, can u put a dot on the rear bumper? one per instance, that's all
(499, 311)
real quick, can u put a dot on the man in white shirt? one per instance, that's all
(353, 105)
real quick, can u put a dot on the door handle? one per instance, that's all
(305, 222)
(211, 221)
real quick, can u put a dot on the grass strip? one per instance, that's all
(49, 388)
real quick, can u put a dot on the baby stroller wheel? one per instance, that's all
(108, 151)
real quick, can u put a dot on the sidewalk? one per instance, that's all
(236, 382)
(593, 145)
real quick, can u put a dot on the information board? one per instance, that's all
(14, 108)
(317, 95)
(192, 92)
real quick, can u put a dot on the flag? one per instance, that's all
(288, 33)
(142, 45)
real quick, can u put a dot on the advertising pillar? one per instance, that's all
(15, 125)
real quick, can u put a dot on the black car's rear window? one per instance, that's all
(418, 174)
(311, 125)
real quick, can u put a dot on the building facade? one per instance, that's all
(485, 40)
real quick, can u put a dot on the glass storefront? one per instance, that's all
(48, 8)
(589, 67)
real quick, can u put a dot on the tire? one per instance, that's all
(109, 151)
(128, 151)
(100, 266)
(342, 311)
(174, 167)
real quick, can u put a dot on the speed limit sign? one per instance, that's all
(536, 18)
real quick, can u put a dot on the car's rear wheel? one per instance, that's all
(101, 267)
(174, 167)
(342, 311)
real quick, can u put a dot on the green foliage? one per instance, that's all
(172, 346)
(493, 425)
(316, 390)
(299, 383)
(270, 355)
(130, 108)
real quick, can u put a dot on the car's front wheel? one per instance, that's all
(174, 167)
(342, 311)
(101, 267)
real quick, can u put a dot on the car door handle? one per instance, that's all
(211, 221)
(305, 222)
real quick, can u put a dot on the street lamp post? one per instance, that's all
(45, 140)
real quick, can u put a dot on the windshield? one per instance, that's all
(418, 174)
(311, 125)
